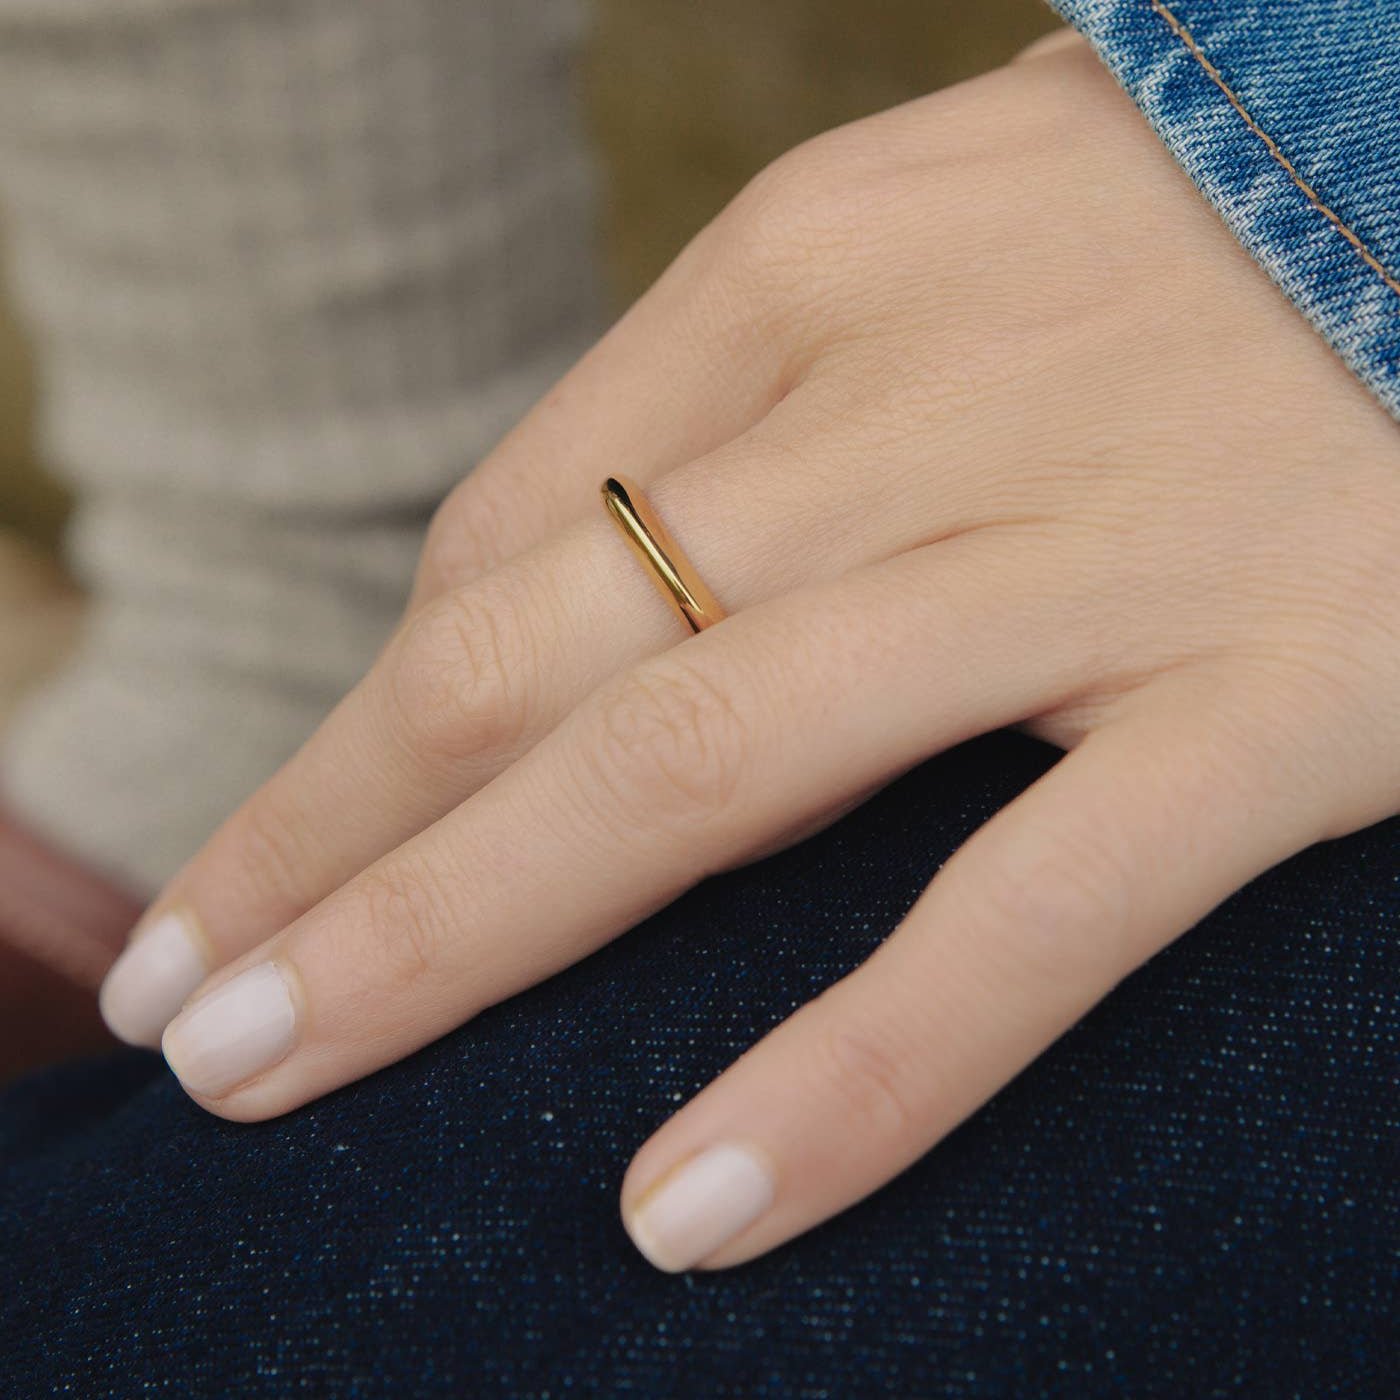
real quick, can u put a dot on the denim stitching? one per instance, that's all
(1214, 74)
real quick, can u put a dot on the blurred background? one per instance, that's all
(686, 101)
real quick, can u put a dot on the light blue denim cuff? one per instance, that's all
(1286, 113)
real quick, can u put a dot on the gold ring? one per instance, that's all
(672, 573)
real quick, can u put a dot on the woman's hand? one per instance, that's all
(973, 415)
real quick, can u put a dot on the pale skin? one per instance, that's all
(972, 414)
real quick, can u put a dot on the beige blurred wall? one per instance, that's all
(29, 501)
(688, 99)
(691, 97)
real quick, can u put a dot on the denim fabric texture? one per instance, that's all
(1195, 1193)
(1286, 113)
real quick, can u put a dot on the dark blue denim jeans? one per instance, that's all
(1194, 1193)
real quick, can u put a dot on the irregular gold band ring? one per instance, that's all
(665, 561)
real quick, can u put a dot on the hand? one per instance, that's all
(973, 415)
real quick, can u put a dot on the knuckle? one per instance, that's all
(672, 746)
(871, 1080)
(272, 854)
(464, 539)
(459, 679)
(408, 920)
(771, 237)
(1058, 913)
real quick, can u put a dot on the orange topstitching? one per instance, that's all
(1367, 256)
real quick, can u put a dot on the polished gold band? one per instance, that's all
(666, 564)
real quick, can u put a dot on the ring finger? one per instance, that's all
(683, 764)
(479, 674)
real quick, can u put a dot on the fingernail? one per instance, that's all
(149, 982)
(700, 1206)
(238, 1030)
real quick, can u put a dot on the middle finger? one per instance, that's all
(479, 675)
(684, 764)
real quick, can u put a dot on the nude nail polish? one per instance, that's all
(242, 1027)
(701, 1206)
(148, 983)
